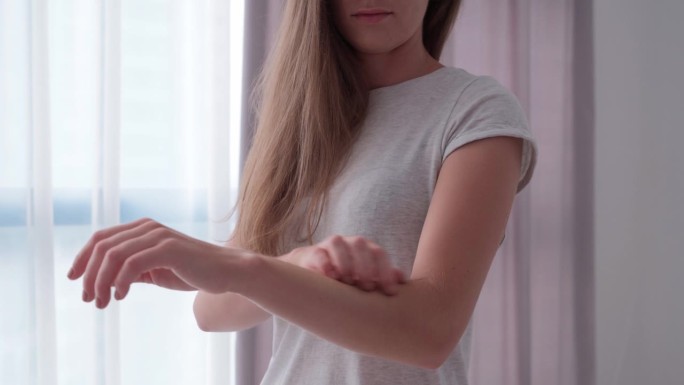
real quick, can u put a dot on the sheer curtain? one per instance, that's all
(533, 322)
(111, 111)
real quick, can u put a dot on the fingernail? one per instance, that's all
(70, 274)
(117, 295)
(99, 303)
(86, 296)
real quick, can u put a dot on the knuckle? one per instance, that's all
(318, 249)
(359, 245)
(357, 241)
(336, 240)
(151, 224)
(99, 235)
(375, 258)
(158, 232)
(167, 244)
(113, 255)
(320, 254)
(100, 248)
(313, 264)
(130, 265)
(378, 251)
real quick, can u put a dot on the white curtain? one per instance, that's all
(111, 111)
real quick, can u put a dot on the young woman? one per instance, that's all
(374, 197)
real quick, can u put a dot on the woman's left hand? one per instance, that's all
(147, 251)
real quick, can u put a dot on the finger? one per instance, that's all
(401, 277)
(145, 277)
(332, 272)
(116, 256)
(364, 263)
(340, 258)
(156, 257)
(102, 247)
(387, 278)
(165, 278)
(81, 261)
(317, 259)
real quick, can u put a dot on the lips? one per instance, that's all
(373, 15)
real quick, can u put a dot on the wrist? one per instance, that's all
(289, 258)
(242, 269)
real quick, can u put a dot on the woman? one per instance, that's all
(362, 231)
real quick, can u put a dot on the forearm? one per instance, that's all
(228, 312)
(411, 327)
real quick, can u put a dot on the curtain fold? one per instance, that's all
(39, 202)
(106, 184)
(224, 89)
(261, 18)
(533, 321)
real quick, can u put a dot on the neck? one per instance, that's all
(408, 61)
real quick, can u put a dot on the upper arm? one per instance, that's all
(465, 223)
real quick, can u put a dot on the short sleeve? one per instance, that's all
(486, 109)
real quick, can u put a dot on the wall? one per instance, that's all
(639, 190)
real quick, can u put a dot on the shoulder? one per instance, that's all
(463, 83)
(464, 92)
(485, 108)
(480, 98)
(485, 91)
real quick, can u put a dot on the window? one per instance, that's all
(179, 86)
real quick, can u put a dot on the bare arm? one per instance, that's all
(227, 312)
(419, 325)
(355, 261)
(424, 321)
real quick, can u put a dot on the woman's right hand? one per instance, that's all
(355, 261)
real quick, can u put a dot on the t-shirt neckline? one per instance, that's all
(409, 82)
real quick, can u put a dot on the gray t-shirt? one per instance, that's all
(383, 193)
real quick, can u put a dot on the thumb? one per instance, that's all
(145, 277)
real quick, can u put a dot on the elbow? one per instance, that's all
(433, 358)
(437, 349)
(203, 326)
(438, 359)
(201, 317)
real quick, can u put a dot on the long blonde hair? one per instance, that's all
(311, 101)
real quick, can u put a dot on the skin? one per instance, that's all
(418, 322)
(397, 39)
